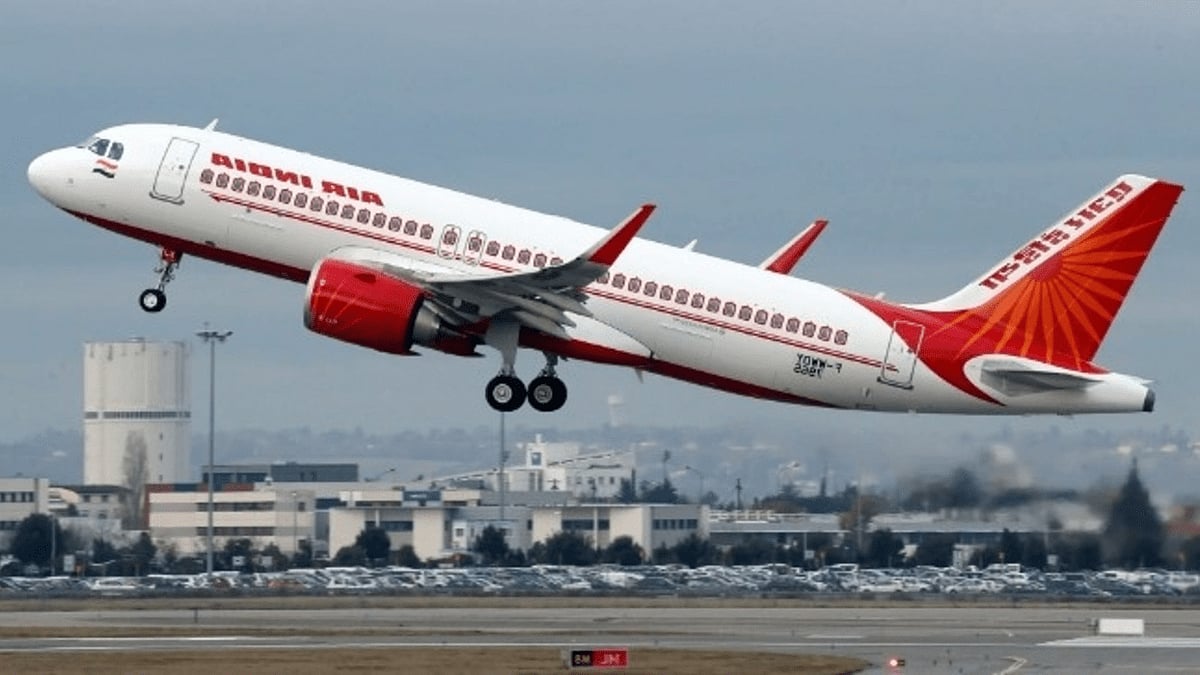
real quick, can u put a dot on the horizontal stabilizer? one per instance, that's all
(1004, 373)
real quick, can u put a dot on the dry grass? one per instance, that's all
(464, 660)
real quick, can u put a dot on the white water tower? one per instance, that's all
(136, 412)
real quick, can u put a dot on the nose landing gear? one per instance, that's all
(153, 300)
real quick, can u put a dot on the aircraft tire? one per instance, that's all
(547, 394)
(152, 300)
(505, 393)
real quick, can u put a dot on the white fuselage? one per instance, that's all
(787, 339)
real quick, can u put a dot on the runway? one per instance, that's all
(929, 639)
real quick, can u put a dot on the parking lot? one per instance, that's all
(713, 581)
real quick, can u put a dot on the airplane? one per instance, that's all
(393, 264)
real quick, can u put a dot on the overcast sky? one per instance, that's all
(935, 136)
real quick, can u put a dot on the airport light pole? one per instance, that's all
(699, 473)
(212, 337)
(53, 540)
(500, 474)
(295, 536)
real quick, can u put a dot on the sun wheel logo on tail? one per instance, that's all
(366, 307)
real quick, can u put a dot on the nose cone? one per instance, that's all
(38, 172)
(48, 175)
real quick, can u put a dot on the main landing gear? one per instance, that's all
(505, 392)
(545, 393)
(153, 300)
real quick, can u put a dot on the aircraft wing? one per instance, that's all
(785, 259)
(538, 299)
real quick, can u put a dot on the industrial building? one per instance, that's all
(136, 413)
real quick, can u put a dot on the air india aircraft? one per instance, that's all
(390, 263)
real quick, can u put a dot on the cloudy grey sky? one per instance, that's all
(936, 136)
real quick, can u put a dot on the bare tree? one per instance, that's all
(134, 473)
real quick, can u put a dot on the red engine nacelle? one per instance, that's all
(366, 307)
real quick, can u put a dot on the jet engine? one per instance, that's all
(364, 306)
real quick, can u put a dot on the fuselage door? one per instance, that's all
(474, 248)
(449, 242)
(900, 361)
(173, 171)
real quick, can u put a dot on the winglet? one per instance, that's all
(607, 250)
(785, 259)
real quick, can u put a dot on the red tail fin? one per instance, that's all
(1055, 298)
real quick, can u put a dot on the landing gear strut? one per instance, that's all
(153, 300)
(504, 392)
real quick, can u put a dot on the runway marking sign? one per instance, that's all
(609, 658)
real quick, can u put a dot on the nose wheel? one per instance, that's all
(153, 300)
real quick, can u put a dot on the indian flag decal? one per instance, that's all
(105, 168)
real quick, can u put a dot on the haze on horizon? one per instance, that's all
(936, 137)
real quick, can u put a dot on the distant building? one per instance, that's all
(730, 528)
(19, 499)
(544, 466)
(281, 472)
(178, 516)
(443, 523)
(136, 413)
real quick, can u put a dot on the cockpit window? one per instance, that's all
(99, 146)
(116, 150)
